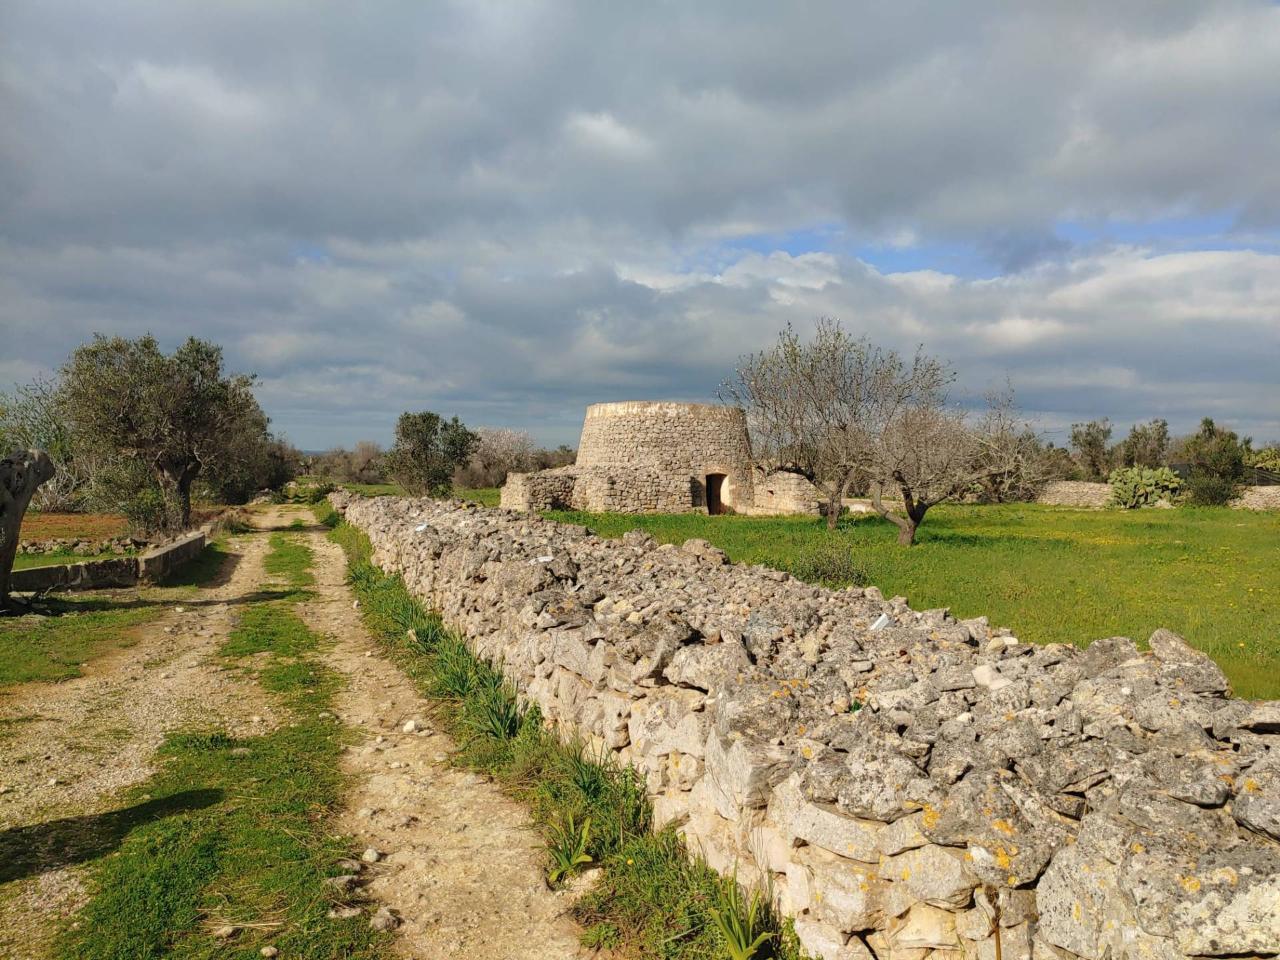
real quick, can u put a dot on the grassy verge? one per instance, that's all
(55, 647)
(488, 496)
(652, 899)
(76, 628)
(29, 561)
(233, 851)
(1050, 574)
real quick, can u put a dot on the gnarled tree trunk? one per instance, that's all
(21, 472)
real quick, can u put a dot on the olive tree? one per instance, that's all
(1090, 441)
(33, 416)
(427, 451)
(176, 416)
(21, 473)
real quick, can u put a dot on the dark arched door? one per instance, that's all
(715, 484)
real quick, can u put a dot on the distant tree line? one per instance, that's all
(1214, 461)
(430, 450)
(859, 420)
(135, 430)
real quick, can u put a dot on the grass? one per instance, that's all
(1050, 574)
(55, 647)
(28, 561)
(653, 899)
(487, 496)
(80, 627)
(289, 561)
(254, 852)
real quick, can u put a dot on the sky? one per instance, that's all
(507, 211)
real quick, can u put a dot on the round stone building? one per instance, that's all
(660, 457)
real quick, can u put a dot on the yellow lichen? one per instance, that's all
(1189, 884)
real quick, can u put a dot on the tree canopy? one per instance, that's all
(427, 451)
(174, 417)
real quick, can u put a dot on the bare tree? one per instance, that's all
(1013, 460)
(499, 451)
(931, 452)
(840, 411)
(821, 408)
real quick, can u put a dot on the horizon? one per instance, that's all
(506, 213)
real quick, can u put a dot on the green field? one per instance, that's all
(488, 496)
(1048, 573)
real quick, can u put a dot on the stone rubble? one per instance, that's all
(930, 789)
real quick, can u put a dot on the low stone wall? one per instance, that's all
(1258, 498)
(92, 575)
(80, 546)
(780, 492)
(156, 564)
(152, 567)
(1075, 493)
(913, 785)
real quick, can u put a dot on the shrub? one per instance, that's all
(146, 510)
(828, 561)
(1134, 487)
(1216, 456)
(1268, 459)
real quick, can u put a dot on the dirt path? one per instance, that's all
(84, 740)
(459, 863)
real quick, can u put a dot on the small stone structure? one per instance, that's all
(915, 787)
(653, 457)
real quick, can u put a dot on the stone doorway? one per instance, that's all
(715, 485)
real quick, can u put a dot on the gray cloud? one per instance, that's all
(510, 210)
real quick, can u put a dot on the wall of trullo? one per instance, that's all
(649, 457)
(914, 786)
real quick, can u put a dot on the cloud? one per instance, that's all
(511, 210)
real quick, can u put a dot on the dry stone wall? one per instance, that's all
(915, 786)
(1258, 498)
(1075, 493)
